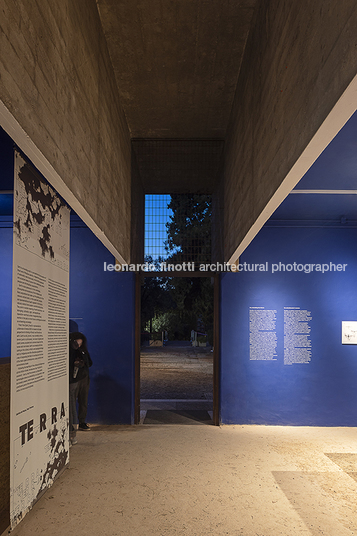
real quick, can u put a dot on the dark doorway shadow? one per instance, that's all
(188, 417)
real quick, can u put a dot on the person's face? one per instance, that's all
(77, 343)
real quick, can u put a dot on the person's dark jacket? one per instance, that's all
(78, 358)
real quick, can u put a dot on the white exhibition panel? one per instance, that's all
(39, 341)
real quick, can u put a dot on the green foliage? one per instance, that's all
(155, 296)
(176, 322)
(189, 229)
(179, 305)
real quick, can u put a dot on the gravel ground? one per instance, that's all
(176, 373)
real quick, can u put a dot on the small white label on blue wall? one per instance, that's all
(349, 332)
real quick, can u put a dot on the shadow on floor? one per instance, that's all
(177, 417)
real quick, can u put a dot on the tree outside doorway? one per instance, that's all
(177, 320)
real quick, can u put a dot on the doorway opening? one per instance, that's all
(176, 325)
(176, 350)
(175, 328)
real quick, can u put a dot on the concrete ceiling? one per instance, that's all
(176, 62)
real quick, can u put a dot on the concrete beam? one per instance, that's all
(178, 166)
(60, 104)
(300, 60)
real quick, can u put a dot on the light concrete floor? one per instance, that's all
(203, 480)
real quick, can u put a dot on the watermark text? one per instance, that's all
(218, 267)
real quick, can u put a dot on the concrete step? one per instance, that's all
(175, 404)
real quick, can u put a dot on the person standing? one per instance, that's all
(79, 363)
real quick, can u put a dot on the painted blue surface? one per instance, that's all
(6, 210)
(323, 207)
(5, 285)
(102, 305)
(322, 392)
(335, 168)
(6, 204)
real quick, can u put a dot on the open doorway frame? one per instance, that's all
(216, 341)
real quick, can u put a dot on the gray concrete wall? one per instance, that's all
(218, 218)
(300, 57)
(57, 82)
(178, 166)
(138, 214)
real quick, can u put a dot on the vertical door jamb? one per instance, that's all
(137, 347)
(216, 351)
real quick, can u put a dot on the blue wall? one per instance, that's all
(5, 284)
(322, 392)
(6, 209)
(103, 306)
